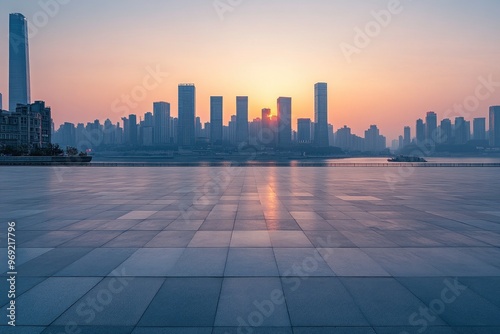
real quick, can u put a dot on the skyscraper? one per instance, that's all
(241, 119)
(161, 112)
(19, 68)
(216, 119)
(479, 128)
(321, 114)
(1, 102)
(407, 136)
(495, 126)
(187, 115)
(284, 121)
(446, 132)
(430, 126)
(460, 131)
(420, 131)
(132, 122)
(304, 130)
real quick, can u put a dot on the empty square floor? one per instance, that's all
(252, 250)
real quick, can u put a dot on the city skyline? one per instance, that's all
(396, 83)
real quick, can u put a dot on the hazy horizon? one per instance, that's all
(87, 54)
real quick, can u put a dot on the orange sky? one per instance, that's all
(429, 57)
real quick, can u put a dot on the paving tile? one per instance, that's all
(172, 239)
(149, 262)
(453, 301)
(41, 305)
(248, 262)
(99, 262)
(246, 239)
(319, 302)
(351, 262)
(209, 239)
(303, 262)
(184, 302)
(252, 302)
(289, 239)
(115, 301)
(200, 262)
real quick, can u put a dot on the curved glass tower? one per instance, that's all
(19, 68)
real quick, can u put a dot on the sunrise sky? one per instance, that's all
(429, 57)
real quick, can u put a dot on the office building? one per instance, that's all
(321, 114)
(216, 119)
(187, 115)
(241, 119)
(420, 131)
(495, 126)
(19, 68)
(407, 136)
(479, 128)
(304, 130)
(284, 121)
(431, 127)
(161, 114)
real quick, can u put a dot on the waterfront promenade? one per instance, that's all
(253, 249)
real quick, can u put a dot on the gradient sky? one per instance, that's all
(428, 58)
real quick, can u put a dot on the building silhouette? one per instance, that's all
(479, 128)
(431, 126)
(420, 131)
(495, 126)
(304, 130)
(241, 119)
(187, 115)
(407, 136)
(19, 68)
(321, 114)
(216, 119)
(161, 113)
(284, 121)
(446, 132)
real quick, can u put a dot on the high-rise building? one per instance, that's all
(133, 133)
(321, 114)
(19, 68)
(495, 126)
(268, 131)
(446, 132)
(284, 121)
(161, 114)
(1, 102)
(187, 115)
(420, 131)
(241, 119)
(479, 128)
(304, 130)
(216, 119)
(374, 142)
(407, 136)
(431, 126)
(460, 131)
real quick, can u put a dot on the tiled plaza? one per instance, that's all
(253, 250)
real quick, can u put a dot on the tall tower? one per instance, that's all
(187, 115)
(284, 121)
(431, 126)
(241, 119)
(495, 126)
(161, 111)
(19, 67)
(216, 119)
(321, 114)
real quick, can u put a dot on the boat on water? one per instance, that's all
(403, 158)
